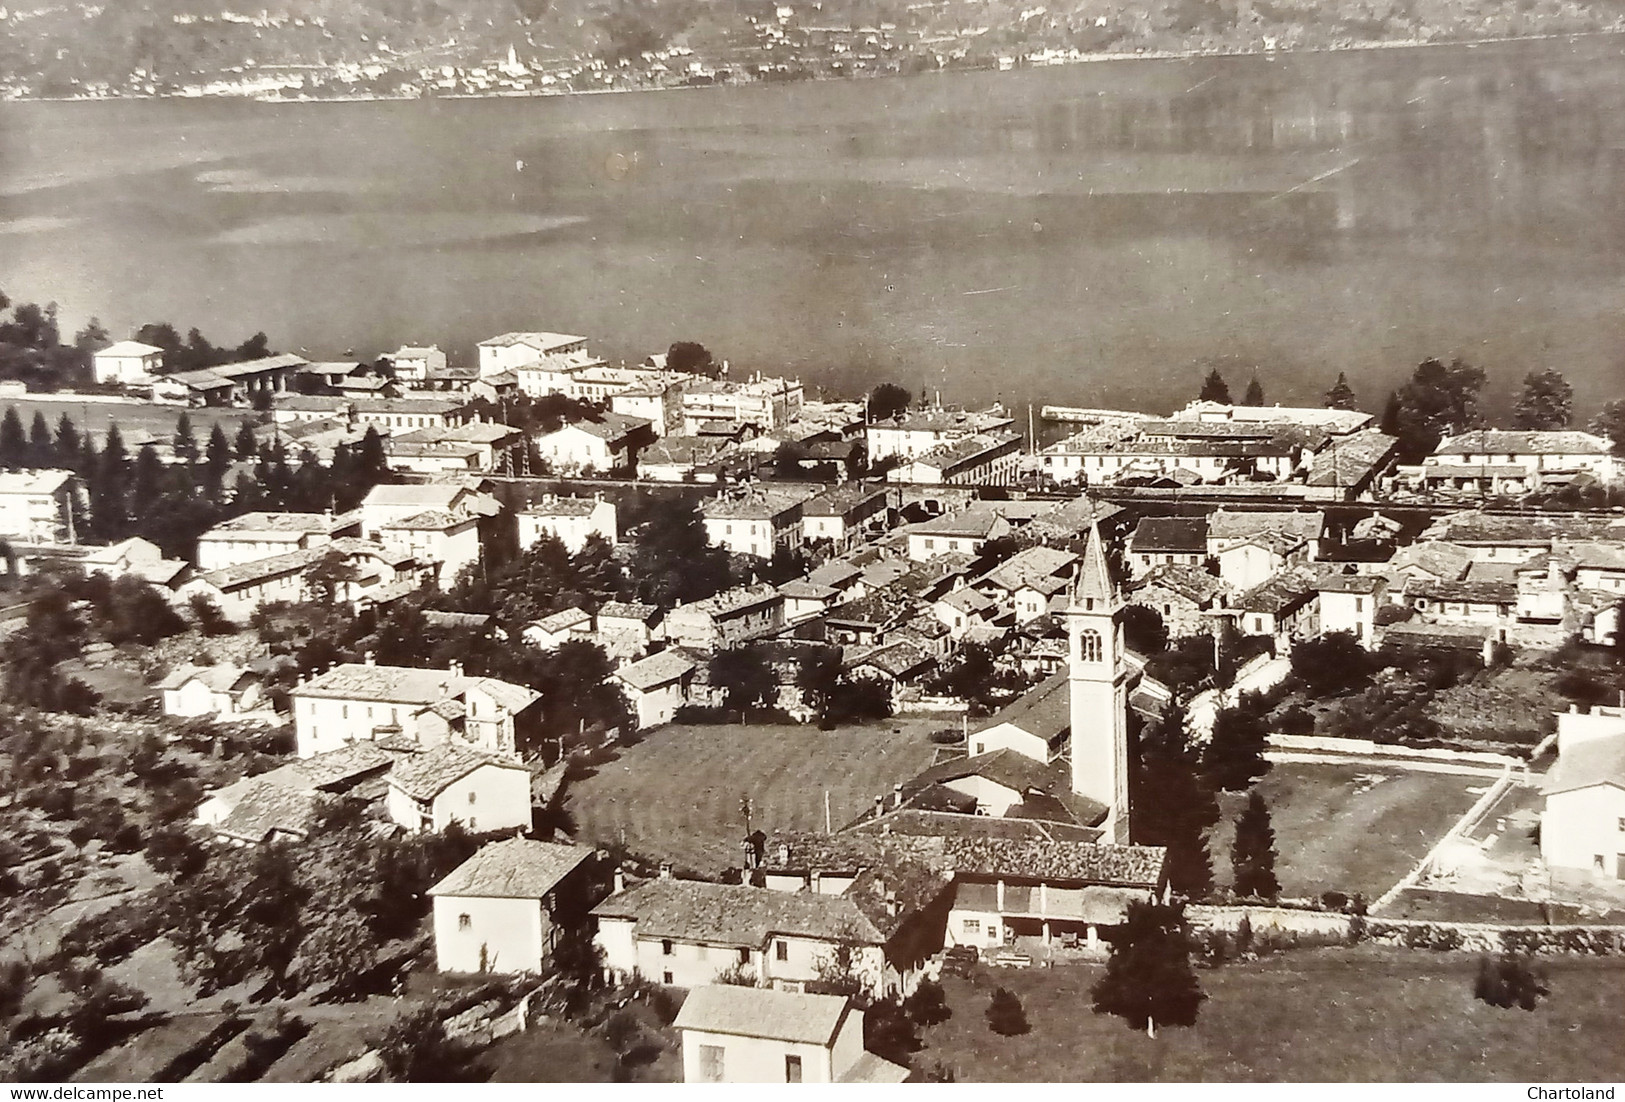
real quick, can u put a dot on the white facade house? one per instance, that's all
(221, 691)
(446, 784)
(416, 365)
(495, 911)
(40, 506)
(552, 632)
(255, 536)
(1496, 460)
(511, 351)
(127, 363)
(1349, 603)
(756, 523)
(657, 686)
(447, 540)
(571, 519)
(916, 432)
(593, 446)
(983, 459)
(737, 1034)
(1582, 827)
(955, 533)
(359, 702)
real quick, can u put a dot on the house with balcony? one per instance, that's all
(45, 506)
(983, 459)
(1499, 461)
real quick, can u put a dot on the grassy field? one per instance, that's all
(129, 416)
(1348, 828)
(677, 794)
(1338, 1015)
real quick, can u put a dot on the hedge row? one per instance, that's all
(1446, 937)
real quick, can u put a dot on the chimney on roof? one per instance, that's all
(369, 659)
(880, 806)
(897, 795)
(455, 668)
(665, 870)
(784, 854)
(619, 880)
(815, 881)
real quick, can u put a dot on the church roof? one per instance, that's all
(1094, 580)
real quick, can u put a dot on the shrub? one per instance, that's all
(928, 1005)
(1296, 720)
(1513, 980)
(947, 736)
(622, 1030)
(1005, 1015)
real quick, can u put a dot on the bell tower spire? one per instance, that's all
(1099, 698)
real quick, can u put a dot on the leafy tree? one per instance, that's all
(674, 561)
(1149, 978)
(687, 357)
(1252, 854)
(1437, 400)
(971, 675)
(928, 1005)
(1255, 393)
(1341, 395)
(1510, 981)
(1143, 630)
(888, 400)
(1547, 401)
(93, 337)
(1331, 664)
(1005, 1015)
(185, 442)
(1610, 422)
(1235, 753)
(1174, 806)
(1214, 389)
(416, 1049)
(745, 675)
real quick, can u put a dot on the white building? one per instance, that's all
(127, 363)
(512, 351)
(766, 403)
(1502, 461)
(40, 506)
(1582, 828)
(222, 691)
(984, 459)
(587, 447)
(255, 536)
(1349, 603)
(448, 784)
(963, 533)
(495, 911)
(415, 365)
(571, 519)
(364, 702)
(735, 1034)
(756, 523)
(657, 686)
(448, 541)
(916, 432)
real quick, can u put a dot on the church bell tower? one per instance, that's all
(1099, 712)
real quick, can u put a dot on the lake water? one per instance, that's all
(1094, 234)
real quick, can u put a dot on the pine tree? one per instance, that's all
(248, 445)
(148, 484)
(41, 448)
(1214, 389)
(1255, 393)
(1341, 395)
(13, 440)
(109, 502)
(1235, 753)
(1252, 854)
(68, 452)
(371, 462)
(1174, 806)
(217, 461)
(1005, 1014)
(1148, 977)
(185, 442)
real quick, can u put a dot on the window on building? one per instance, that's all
(744, 956)
(792, 1069)
(464, 922)
(781, 950)
(471, 797)
(665, 977)
(1090, 642)
(665, 947)
(973, 927)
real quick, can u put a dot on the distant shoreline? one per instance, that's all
(1088, 59)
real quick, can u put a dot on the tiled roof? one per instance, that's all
(1501, 593)
(518, 868)
(428, 495)
(1039, 567)
(1186, 535)
(424, 776)
(897, 660)
(735, 914)
(1443, 560)
(753, 505)
(261, 525)
(920, 822)
(563, 507)
(1226, 524)
(457, 620)
(1279, 593)
(627, 610)
(806, 591)
(1095, 863)
(264, 808)
(841, 500)
(244, 573)
(1469, 528)
(219, 678)
(127, 348)
(657, 669)
(610, 426)
(732, 600)
(1044, 711)
(1188, 581)
(976, 523)
(430, 520)
(762, 1012)
(564, 620)
(395, 684)
(1366, 584)
(1505, 442)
